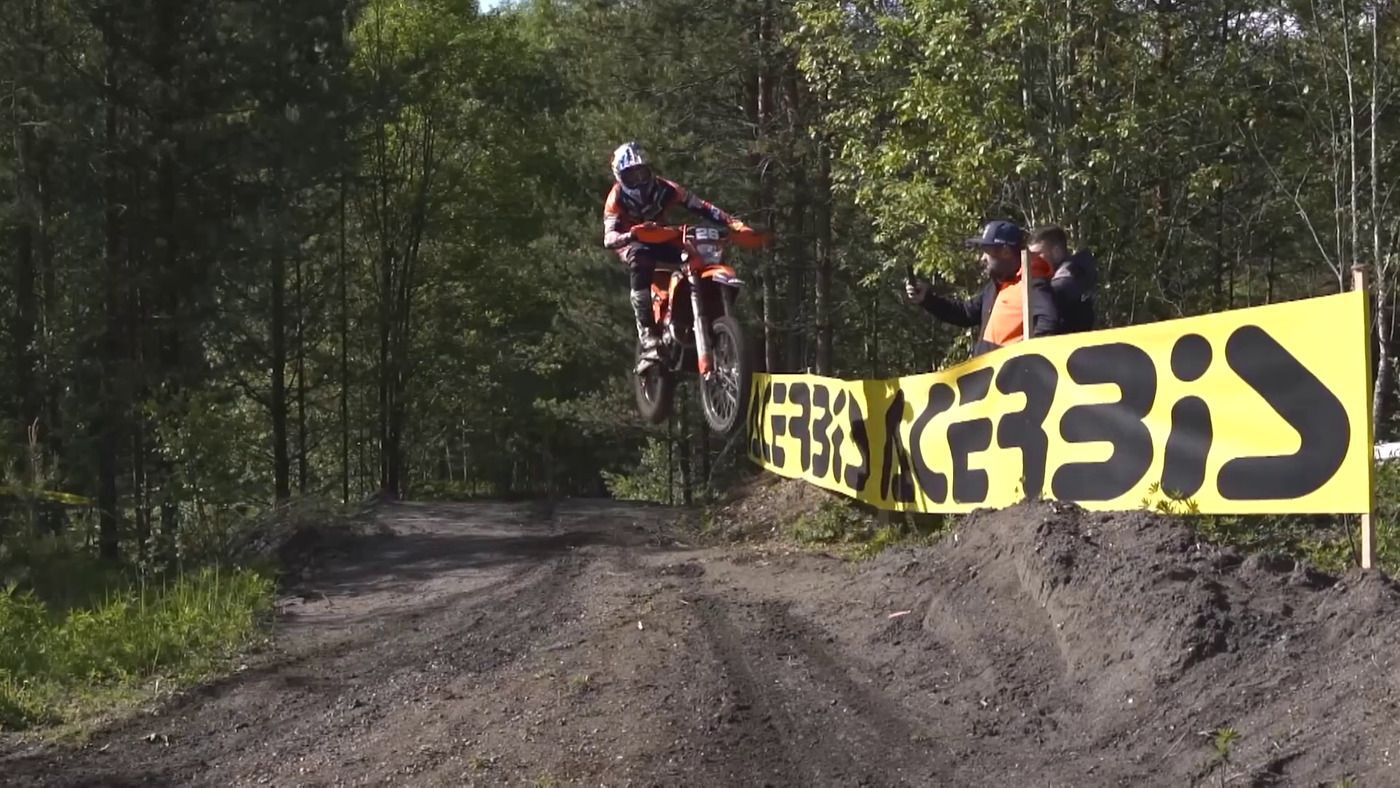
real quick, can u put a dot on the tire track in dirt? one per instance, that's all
(329, 701)
(490, 644)
(818, 722)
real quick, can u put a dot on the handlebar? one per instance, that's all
(747, 238)
(657, 234)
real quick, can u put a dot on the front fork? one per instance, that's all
(702, 328)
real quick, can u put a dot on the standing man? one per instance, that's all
(1074, 278)
(997, 310)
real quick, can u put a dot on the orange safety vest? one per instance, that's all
(1006, 323)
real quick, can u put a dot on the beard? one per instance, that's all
(1002, 267)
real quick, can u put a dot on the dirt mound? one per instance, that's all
(760, 508)
(305, 534)
(1123, 644)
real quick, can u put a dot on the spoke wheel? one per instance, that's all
(655, 390)
(725, 393)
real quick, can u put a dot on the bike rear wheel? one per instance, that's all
(725, 393)
(655, 388)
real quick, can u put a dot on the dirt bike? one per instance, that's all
(693, 305)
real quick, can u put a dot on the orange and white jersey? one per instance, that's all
(621, 214)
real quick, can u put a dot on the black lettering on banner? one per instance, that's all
(896, 477)
(1304, 402)
(838, 438)
(858, 475)
(974, 386)
(758, 445)
(933, 483)
(821, 428)
(966, 438)
(1119, 423)
(1035, 377)
(1191, 357)
(779, 423)
(1188, 445)
(799, 426)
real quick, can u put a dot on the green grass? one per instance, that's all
(68, 655)
(1330, 543)
(80, 636)
(896, 536)
(857, 534)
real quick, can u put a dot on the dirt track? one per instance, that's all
(496, 644)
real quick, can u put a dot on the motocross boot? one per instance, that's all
(646, 330)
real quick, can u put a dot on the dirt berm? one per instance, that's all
(598, 644)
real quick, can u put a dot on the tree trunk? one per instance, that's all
(54, 426)
(1218, 286)
(704, 462)
(824, 250)
(281, 469)
(872, 336)
(344, 356)
(140, 488)
(1354, 215)
(1384, 272)
(301, 377)
(27, 237)
(687, 416)
(362, 475)
(172, 279)
(799, 260)
(107, 423)
(24, 330)
(762, 120)
(386, 485)
(1269, 277)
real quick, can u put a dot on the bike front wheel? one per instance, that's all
(724, 392)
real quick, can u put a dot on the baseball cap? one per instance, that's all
(998, 233)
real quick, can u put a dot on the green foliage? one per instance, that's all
(648, 481)
(1328, 542)
(54, 569)
(1386, 518)
(833, 522)
(860, 533)
(1223, 743)
(1168, 502)
(1144, 131)
(885, 538)
(55, 657)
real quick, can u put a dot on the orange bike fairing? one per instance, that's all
(718, 270)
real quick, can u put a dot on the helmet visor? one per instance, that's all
(635, 176)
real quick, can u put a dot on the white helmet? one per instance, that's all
(631, 168)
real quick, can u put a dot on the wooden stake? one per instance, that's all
(1368, 538)
(1026, 318)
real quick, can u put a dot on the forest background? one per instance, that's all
(258, 251)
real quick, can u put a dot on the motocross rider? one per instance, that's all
(638, 198)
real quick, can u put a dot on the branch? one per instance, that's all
(1297, 203)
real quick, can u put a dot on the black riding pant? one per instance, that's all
(642, 259)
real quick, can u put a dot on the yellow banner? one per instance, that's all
(52, 496)
(1262, 410)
